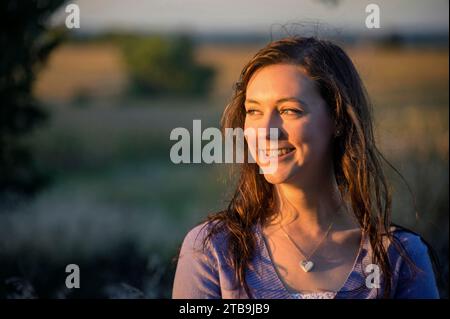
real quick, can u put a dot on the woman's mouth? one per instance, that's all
(276, 153)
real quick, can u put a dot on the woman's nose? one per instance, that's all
(271, 124)
(272, 121)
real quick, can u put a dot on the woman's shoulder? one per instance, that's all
(407, 237)
(412, 243)
(416, 278)
(195, 237)
(198, 272)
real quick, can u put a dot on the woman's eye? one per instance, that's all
(251, 112)
(291, 112)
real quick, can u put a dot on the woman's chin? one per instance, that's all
(276, 178)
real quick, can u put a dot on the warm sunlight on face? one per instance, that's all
(283, 96)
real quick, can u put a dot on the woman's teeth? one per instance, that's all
(278, 152)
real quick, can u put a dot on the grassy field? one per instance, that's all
(113, 182)
(407, 85)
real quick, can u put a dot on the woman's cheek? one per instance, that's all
(302, 137)
(298, 134)
(251, 139)
(315, 140)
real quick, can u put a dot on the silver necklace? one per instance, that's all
(307, 264)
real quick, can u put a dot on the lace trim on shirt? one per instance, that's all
(314, 295)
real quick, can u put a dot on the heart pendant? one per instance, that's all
(306, 265)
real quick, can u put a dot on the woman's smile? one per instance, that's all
(277, 153)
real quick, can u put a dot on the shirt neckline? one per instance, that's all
(276, 280)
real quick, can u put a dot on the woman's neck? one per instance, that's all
(311, 209)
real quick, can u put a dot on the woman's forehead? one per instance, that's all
(279, 81)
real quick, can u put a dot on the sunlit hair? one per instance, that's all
(357, 160)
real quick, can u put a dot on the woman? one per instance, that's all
(319, 225)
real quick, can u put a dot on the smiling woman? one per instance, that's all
(283, 96)
(319, 225)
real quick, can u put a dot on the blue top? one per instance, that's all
(206, 275)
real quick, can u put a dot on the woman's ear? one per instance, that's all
(337, 133)
(337, 130)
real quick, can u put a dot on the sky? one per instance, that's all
(209, 16)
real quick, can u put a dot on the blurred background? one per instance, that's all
(86, 114)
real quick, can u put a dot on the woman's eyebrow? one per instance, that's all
(290, 99)
(249, 101)
(279, 101)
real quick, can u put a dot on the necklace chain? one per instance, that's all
(307, 264)
(308, 257)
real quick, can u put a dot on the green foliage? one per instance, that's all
(25, 43)
(164, 66)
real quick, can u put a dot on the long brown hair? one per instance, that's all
(357, 160)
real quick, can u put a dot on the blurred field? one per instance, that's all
(113, 181)
(405, 82)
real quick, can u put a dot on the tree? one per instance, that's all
(25, 42)
(164, 65)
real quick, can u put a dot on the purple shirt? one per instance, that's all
(206, 275)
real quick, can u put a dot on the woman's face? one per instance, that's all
(283, 96)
